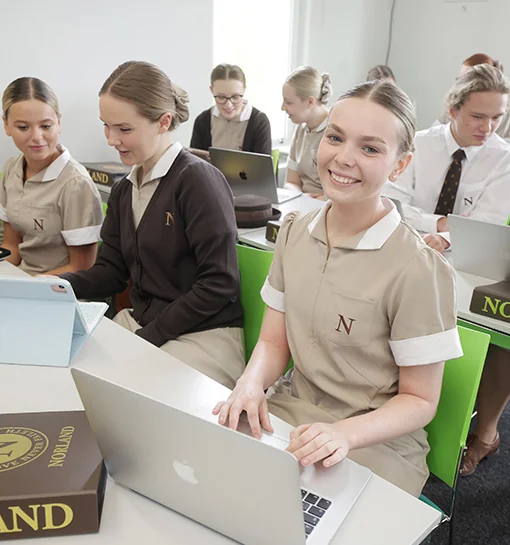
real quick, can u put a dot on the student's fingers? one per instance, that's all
(217, 408)
(252, 410)
(316, 195)
(296, 432)
(235, 412)
(325, 450)
(264, 417)
(303, 440)
(336, 457)
(223, 412)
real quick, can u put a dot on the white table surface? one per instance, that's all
(384, 514)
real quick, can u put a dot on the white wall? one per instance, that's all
(431, 39)
(344, 38)
(74, 46)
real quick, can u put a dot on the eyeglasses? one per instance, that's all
(235, 99)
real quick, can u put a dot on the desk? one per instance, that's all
(383, 515)
(257, 237)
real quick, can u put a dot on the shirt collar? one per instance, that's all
(452, 146)
(160, 169)
(320, 127)
(243, 116)
(372, 238)
(53, 170)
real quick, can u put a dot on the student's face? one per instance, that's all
(359, 151)
(232, 89)
(477, 119)
(297, 109)
(135, 137)
(34, 127)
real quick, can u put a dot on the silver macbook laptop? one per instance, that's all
(480, 248)
(249, 490)
(250, 174)
(42, 322)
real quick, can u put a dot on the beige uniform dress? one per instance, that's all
(217, 353)
(58, 207)
(303, 156)
(229, 133)
(381, 300)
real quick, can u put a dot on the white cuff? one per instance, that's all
(3, 214)
(273, 298)
(83, 235)
(446, 236)
(429, 349)
(429, 223)
(292, 165)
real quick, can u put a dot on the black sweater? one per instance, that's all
(257, 138)
(182, 258)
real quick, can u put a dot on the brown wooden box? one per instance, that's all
(492, 300)
(52, 475)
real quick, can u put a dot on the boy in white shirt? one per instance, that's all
(462, 167)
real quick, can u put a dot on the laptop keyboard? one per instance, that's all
(314, 508)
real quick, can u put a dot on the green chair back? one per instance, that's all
(253, 265)
(275, 154)
(448, 431)
(508, 220)
(105, 208)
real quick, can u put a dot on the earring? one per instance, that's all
(393, 177)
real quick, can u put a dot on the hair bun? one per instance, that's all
(181, 106)
(326, 88)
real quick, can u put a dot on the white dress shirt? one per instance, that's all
(484, 188)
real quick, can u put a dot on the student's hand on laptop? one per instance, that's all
(246, 396)
(47, 276)
(442, 225)
(311, 443)
(437, 242)
(316, 195)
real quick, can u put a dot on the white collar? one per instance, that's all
(243, 116)
(53, 170)
(322, 126)
(372, 239)
(160, 169)
(452, 146)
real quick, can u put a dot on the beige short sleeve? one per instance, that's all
(422, 312)
(81, 211)
(273, 290)
(3, 192)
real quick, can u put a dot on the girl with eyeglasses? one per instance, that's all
(232, 123)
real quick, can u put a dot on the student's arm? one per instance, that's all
(293, 181)
(81, 258)
(267, 364)
(419, 348)
(262, 142)
(403, 190)
(110, 274)
(11, 242)
(271, 354)
(205, 203)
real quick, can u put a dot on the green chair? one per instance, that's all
(508, 221)
(275, 154)
(253, 265)
(448, 431)
(105, 208)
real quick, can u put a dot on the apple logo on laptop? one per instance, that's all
(243, 175)
(185, 471)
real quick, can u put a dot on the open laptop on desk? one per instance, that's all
(250, 174)
(42, 323)
(251, 491)
(480, 248)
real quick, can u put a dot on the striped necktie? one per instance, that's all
(448, 193)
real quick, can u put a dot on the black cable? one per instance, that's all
(390, 37)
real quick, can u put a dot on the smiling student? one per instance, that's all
(462, 167)
(305, 95)
(50, 207)
(367, 375)
(232, 123)
(170, 228)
